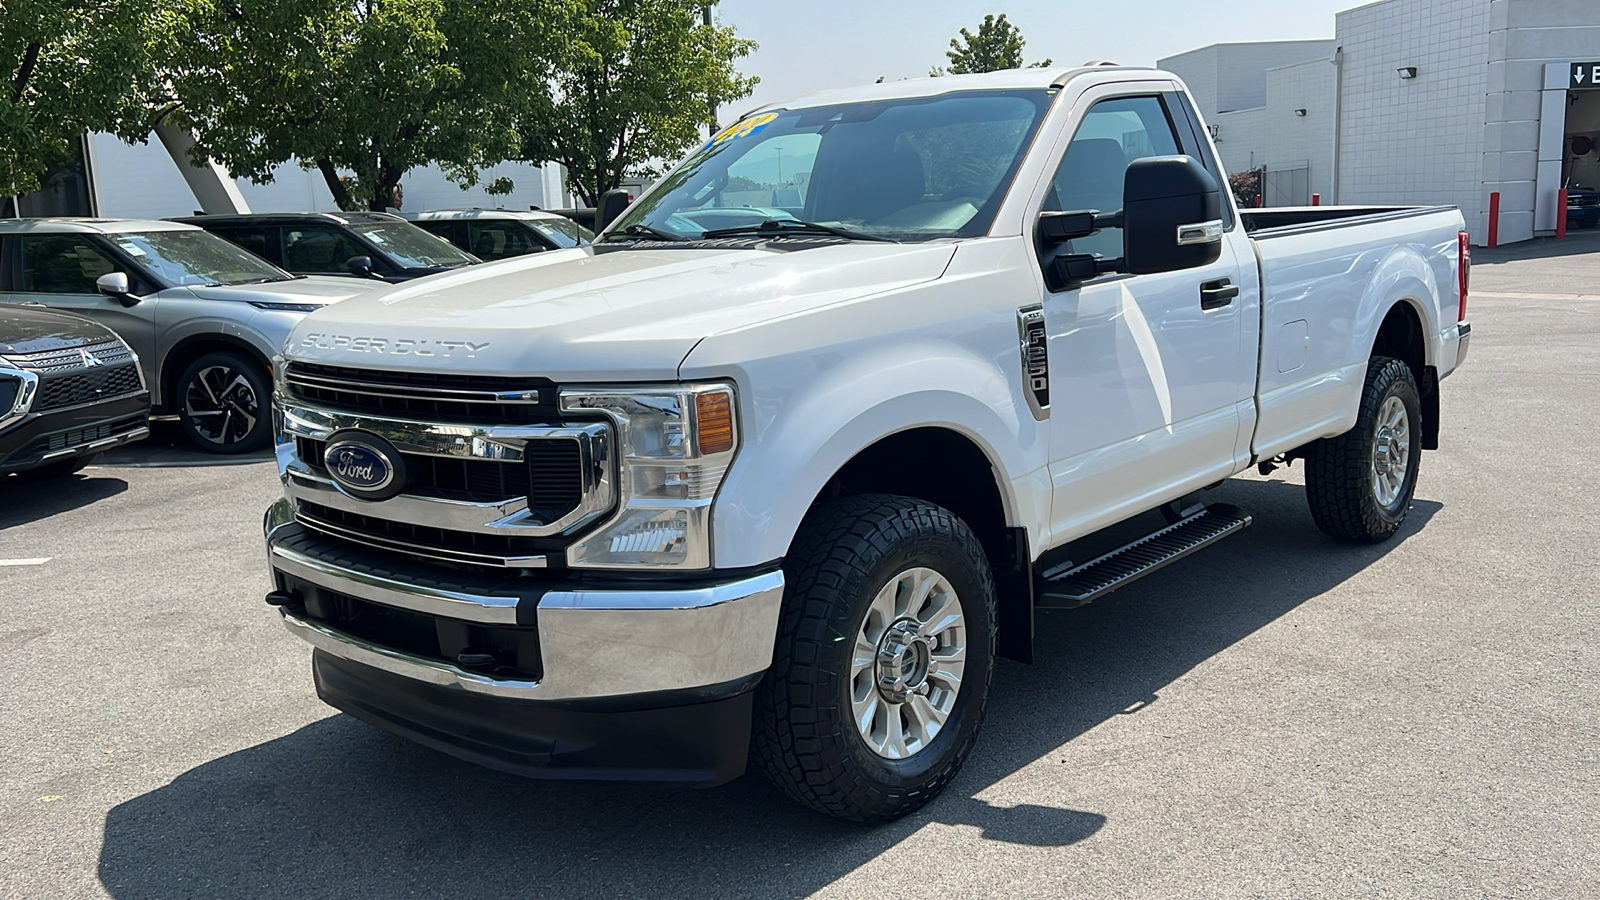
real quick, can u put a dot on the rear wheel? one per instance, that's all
(1360, 484)
(884, 655)
(223, 403)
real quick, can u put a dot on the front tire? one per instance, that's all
(224, 403)
(1360, 484)
(883, 659)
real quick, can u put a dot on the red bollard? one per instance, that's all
(1494, 219)
(1316, 199)
(1561, 214)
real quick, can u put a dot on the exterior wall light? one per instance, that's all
(1408, 72)
(1301, 113)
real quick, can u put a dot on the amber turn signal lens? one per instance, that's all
(713, 414)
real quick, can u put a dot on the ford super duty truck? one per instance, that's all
(777, 468)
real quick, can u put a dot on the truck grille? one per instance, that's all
(59, 391)
(107, 352)
(441, 544)
(551, 477)
(424, 396)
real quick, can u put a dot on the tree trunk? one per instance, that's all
(330, 175)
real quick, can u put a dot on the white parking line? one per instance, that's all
(26, 562)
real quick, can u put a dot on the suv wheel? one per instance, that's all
(224, 403)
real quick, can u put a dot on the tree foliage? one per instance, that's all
(70, 66)
(640, 78)
(997, 46)
(373, 88)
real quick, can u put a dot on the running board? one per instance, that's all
(1067, 586)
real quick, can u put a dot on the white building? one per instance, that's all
(1418, 101)
(143, 181)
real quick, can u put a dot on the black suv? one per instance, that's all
(68, 389)
(360, 244)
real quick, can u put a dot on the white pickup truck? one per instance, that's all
(780, 465)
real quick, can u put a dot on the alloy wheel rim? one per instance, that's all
(1391, 452)
(221, 405)
(909, 657)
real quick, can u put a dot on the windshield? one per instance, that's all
(195, 258)
(410, 246)
(563, 233)
(907, 169)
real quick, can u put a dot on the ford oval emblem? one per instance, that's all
(364, 465)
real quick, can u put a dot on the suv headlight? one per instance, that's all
(674, 444)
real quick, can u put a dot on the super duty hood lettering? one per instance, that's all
(392, 346)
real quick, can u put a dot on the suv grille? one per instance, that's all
(87, 386)
(107, 352)
(425, 396)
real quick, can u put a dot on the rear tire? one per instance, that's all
(1359, 485)
(224, 403)
(883, 659)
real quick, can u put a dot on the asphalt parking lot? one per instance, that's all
(1279, 716)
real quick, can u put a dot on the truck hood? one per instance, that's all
(27, 330)
(307, 289)
(579, 315)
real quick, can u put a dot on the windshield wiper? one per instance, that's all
(646, 231)
(795, 226)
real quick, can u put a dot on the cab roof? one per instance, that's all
(65, 225)
(911, 88)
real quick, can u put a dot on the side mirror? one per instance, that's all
(612, 205)
(359, 266)
(115, 285)
(1172, 216)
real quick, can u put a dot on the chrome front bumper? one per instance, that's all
(594, 644)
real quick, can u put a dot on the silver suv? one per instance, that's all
(204, 316)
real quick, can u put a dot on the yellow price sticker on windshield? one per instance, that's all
(743, 129)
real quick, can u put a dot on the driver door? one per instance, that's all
(1144, 370)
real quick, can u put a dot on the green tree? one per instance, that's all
(997, 46)
(640, 79)
(373, 88)
(70, 66)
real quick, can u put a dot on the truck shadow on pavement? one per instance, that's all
(339, 809)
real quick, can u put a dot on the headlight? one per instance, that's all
(674, 445)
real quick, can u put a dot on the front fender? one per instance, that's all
(811, 431)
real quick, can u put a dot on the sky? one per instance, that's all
(815, 45)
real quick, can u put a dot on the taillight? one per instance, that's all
(1464, 266)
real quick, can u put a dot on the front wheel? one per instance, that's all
(883, 659)
(223, 403)
(1359, 484)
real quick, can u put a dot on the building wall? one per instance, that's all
(140, 181)
(1288, 138)
(1525, 112)
(1241, 138)
(1420, 140)
(1242, 69)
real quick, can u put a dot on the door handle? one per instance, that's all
(1217, 294)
